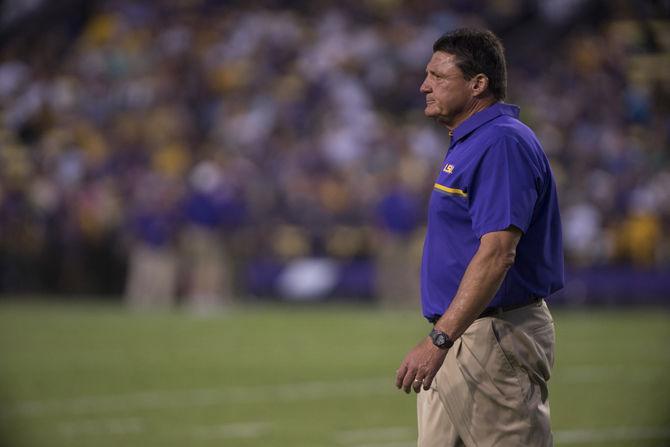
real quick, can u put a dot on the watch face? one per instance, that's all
(440, 339)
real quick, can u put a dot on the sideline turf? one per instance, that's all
(318, 376)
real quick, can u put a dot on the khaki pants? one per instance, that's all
(398, 273)
(492, 388)
(207, 269)
(152, 277)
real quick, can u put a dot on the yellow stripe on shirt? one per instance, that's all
(453, 191)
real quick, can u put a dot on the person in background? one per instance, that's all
(153, 263)
(210, 207)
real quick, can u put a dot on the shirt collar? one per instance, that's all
(480, 118)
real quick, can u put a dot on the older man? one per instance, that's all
(492, 253)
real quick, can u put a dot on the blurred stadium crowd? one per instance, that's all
(243, 135)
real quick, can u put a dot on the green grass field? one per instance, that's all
(322, 376)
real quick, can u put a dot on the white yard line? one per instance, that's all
(590, 435)
(375, 434)
(405, 436)
(388, 444)
(233, 430)
(128, 426)
(122, 426)
(202, 397)
(609, 373)
(166, 399)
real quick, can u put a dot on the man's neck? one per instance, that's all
(476, 106)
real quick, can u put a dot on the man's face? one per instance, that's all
(447, 92)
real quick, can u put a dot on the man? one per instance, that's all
(492, 252)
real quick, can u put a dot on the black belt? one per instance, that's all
(493, 311)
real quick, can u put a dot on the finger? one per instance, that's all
(428, 380)
(400, 375)
(416, 384)
(409, 378)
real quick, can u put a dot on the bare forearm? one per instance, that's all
(481, 281)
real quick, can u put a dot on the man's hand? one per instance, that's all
(420, 366)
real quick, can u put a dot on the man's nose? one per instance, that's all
(425, 88)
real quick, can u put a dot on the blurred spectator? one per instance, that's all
(211, 207)
(153, 259)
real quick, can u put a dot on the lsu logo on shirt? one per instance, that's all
(449, 169)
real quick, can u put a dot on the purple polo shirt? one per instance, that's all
(494, 175)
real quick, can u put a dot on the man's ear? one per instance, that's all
(480, 84)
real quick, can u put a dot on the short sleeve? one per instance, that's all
(504, 190)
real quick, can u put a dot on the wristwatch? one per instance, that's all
(441, 339)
